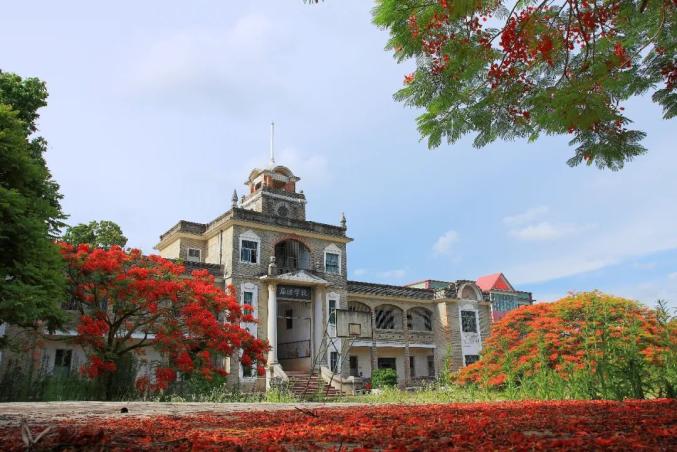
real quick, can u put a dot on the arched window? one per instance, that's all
(419, 319)
(357, 306)
(388, 317)
(292, 255)
(469, 293)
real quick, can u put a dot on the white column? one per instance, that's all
(318, 319)
(272, 323)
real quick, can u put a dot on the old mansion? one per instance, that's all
(293, 271)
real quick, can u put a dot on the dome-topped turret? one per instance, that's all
(277, 178)
(272, 190)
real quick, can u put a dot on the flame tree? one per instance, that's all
(525, 68)
(590, 345)
(127, 302)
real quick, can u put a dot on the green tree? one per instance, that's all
(32, 280)
(102, 234)
(520, 69)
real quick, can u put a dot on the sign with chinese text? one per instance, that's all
(294, 292)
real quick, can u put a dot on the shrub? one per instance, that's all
(381, 378)
(587, 345)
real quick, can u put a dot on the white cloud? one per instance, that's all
(393, 274)
(545, 231)
(559, 267)
(312, 168)
(227, 67)
(672, 276)
(444, 243)
(527, 216)
(642, 236)
(360, 271)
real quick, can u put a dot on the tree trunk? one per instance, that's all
(108, 386)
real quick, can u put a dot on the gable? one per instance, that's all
(496, 281)
(503, 284)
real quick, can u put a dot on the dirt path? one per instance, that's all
(48, 412)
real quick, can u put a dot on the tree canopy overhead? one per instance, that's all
(520, 69)
(31, 271)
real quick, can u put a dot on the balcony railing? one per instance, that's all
(293, 350)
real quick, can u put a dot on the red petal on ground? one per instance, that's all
(563, 425)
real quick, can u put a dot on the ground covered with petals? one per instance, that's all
(631, 425)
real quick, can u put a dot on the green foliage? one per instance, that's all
(520, 69)
(195, 388)
(22, 385)
(382, 378)
(32, 281)
(102, 234)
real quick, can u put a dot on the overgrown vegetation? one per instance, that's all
(383, 378)
(15, 386)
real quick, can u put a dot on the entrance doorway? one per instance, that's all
(293, 335)
(387, 363)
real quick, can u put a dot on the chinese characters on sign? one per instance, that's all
(294, 292)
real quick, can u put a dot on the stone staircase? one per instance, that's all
(315, 389)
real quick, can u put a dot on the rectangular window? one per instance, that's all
(248, 298)
(332, 312)
(249, 371)
(412, 367)
(62, 361)
(469, 359)
(469, 321)
(353, 367)
(249, 251)
(387, 363)
(331, 263)
(289, 318)
(193, 255)
(333, 362)
(431, 366)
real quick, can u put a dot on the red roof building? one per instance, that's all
(503, 296)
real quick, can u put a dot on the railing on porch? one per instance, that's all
(293, 350)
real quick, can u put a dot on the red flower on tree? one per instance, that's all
(128, 302)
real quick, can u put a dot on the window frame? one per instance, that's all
(334, 364)
(250, 236)
(412, 366)
(247, 371)
(337, 268)
(252, 288)
(429, 319)
(60, 366)
(190, 258)
(383, 359)
(333, 249)
(331, 311)
(476, 323)
(431, 365)
(465, 360)
(356, 360)
(397, 320)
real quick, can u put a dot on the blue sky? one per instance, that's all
(159, 109)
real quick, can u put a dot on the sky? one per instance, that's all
(159, 109)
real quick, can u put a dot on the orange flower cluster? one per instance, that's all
(579, 425)
(572, 335)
